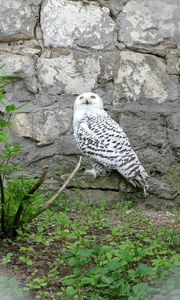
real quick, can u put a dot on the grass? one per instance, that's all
(95, 252)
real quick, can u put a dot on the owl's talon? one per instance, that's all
(91, 172)
(146, 190)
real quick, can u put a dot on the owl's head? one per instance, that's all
(88, 101)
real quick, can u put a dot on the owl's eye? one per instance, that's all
(81, 98)
(93, 97)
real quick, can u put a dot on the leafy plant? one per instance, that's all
(37, 282)
(18, 196)
(7, 258)
(76, 255)
(26, 260)
(124, 265)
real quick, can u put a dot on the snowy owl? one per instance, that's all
(101, 139)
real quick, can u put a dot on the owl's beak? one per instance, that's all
(87, 102)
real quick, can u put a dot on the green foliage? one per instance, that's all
(16, 190)
(114, 271)
(97, 253)
(18, 203)
(124, 265)
(8, 150)
(26, 260)
(7, 258)
(37, 282)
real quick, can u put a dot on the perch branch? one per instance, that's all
(53, 199)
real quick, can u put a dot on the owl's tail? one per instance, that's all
(142, 180)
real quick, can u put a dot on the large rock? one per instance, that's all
(152, 146)
(43, 126)
(17, 20)
(22, 67)
(70, 23)
(71, 73)
(109, 64)
(143, 77)
(149, 26)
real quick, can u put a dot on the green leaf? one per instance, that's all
(145, 270)
(13, 149)
(73, 261)
(89, 281)
(10, 108)
(70, 291)
(113, 265)
(77, 271)
(4, 123)
(26, 259)
(10, 168)
(107, 279)
(3, 136)
(7, 76)
(94, 296)
(68, 280)
(140, 291)
(7, 258)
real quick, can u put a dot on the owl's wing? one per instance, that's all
(101, 138)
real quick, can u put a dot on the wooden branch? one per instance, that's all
(39, 183)
(53, 199)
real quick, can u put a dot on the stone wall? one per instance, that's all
(126, 51)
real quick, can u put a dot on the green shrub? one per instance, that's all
(19, 198)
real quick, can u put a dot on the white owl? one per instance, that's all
(101, 139)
